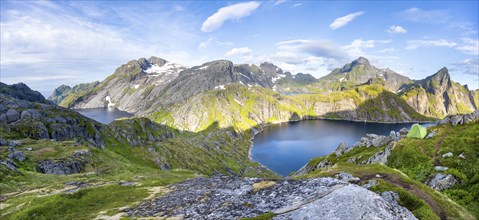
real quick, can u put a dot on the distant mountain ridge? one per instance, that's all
(156, 88)
(359, 72)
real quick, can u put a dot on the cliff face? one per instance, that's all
(438, 96)
(243, 108)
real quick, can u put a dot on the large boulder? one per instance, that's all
(350, 202)
(162, 164)
(31, 114)
(340, 149)
(346, 177)
(229, 197)
(457, 119)
(17, 155)
(60, 167)
(12, 115)
(380, 140)
(442, 181)
(382, 156)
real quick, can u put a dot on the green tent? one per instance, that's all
(417, 131)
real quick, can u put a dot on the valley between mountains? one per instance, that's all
(185, 153)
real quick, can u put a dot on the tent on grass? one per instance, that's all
(417, 131)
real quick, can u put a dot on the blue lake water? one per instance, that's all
(104, 115)
(286, 147)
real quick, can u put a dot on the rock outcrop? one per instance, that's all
(442, 181)
(460, 119)
(44, 121)
(65, 167)
(227, 197)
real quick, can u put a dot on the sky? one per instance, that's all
(48, 43)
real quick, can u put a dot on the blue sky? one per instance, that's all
(48, 43)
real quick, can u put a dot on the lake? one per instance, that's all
(286, 147)
(104, 115)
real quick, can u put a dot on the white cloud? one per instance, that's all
(240, 51)
(50, 43)
(470, 46)
(414, 44)
(231, 12)
(342, 21)
(355, 48)
(425, 16)
(396, 29)
(318, 48)
(278, 2)
(297, 5)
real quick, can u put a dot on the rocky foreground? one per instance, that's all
(228, 197)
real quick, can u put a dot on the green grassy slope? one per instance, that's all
(411, 164)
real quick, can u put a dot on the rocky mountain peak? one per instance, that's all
(361, 61)
(441, 79)
(156, 60)
(442, 74)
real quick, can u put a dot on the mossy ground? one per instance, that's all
(31, 195)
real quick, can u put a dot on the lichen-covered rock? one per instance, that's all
(370, 184)
(457, 119)
(9, 164)
(60, 167)
(350, 202)
(229, 197)
(346, 177)
(162, 164)
(442, 181)
(18, 156)
(440, 168)
(382, 156)
(340, 149)
(12, 115)
(31, 114)
(380, 140)
(448, 154)
(81, 153)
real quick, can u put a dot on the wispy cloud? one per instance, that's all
(60, 40)
(396, 29)
(469, 46)
(414, 44)
(343, 21)
(356, 47)
(231, 12)
(468, 66)
(297, 5)
(240, 51)
(425, 16)
(279, 2)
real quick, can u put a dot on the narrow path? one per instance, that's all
(396, 180)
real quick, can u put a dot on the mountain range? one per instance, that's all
(246, 95)
(197, 127)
